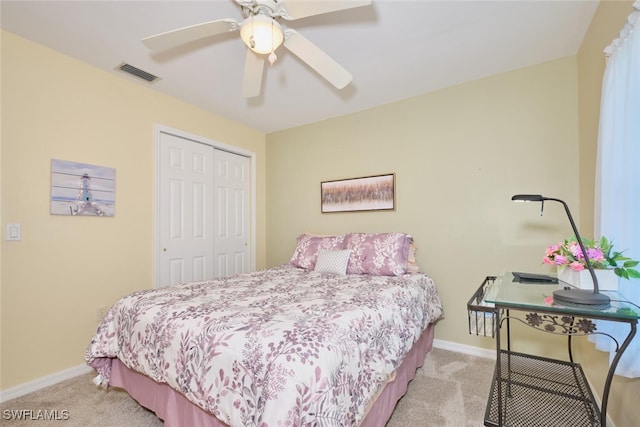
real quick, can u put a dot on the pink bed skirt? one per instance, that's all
(177, 411)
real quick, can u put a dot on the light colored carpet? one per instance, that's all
(450, 390)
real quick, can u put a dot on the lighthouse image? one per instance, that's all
(84, 202)
(85, 194)
(82, 189)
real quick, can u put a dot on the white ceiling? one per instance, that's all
(395, 49)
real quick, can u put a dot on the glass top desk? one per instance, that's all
(521, 381)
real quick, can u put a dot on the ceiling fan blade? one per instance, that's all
(317, 59)
(253, 67)
(296, 9)
(184, 35)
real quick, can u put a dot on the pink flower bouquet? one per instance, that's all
(600, 253)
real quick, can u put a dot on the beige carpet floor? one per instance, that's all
(450, 390)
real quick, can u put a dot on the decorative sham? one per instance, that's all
(307, 246)
(381, 254)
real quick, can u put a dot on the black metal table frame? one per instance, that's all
(572, 323)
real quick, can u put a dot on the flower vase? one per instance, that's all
(607, 279)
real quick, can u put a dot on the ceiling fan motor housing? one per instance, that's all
(262, 34)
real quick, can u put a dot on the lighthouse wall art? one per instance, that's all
(82, 189)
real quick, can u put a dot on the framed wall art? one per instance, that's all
(369, 193)
(82, 189)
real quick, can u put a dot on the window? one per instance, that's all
(617, 201)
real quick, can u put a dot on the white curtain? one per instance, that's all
(617, 197)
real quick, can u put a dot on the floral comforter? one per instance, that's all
(278, 347)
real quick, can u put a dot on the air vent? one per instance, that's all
(128, 68)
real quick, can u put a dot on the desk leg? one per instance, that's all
(498, 373)
(612, 371)
(508, 319)
(569, 342)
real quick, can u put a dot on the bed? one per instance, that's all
(331, 338)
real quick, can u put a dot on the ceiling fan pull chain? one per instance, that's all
(272, 56)
(252, 40)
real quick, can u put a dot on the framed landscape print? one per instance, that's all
(369, 193)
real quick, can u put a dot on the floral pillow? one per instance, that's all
(307, 246)
(380, 254)
(412, 265)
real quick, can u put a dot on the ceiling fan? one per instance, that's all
(263, 34)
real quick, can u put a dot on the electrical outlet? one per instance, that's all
(14, 232)
(101, 312)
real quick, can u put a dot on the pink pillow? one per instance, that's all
(412, 265)
(307, 246)
(379, 254)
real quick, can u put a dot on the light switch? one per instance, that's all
(14, 232)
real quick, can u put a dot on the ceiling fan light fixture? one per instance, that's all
(261, 34)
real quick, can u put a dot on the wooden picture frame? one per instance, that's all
(369, 193)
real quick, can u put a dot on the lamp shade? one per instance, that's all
(261, 34)
(528, 198)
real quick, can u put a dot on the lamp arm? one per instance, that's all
(579, 239)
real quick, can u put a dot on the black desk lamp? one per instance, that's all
(572, 295)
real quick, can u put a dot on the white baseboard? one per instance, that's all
(463, 348)
(40, 383)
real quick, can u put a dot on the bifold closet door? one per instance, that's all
(203, 219)
(231, 206)
(186, 210)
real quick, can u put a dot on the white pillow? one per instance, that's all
(332, 262)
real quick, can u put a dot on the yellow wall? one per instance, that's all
(605, 26)
(459, 155)
(65, 267)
